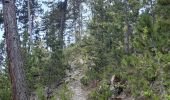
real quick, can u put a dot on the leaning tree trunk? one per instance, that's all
(16, 70)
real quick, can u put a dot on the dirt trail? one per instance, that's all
(74, 84)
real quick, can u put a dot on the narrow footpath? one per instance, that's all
(75, 74)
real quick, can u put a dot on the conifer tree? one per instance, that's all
(16, 65)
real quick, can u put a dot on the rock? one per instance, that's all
(112, 80)
(48, 93)
(33, 96)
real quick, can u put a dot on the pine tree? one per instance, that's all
(162, 36)
(16, 66)
(163, 30)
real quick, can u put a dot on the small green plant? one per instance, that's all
(147, 93)
(5, 88)
(40, 93)
(84, 80)
(65, 93)
(101, 93)
(167, 97)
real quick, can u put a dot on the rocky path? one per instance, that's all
(74, 84)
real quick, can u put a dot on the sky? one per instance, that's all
(46, 8)
(85, 14)
(1, 32)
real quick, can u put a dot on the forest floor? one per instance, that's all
(74, 85)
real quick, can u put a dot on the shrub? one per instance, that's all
(84, 80)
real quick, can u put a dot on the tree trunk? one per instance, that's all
(127, 30)
(30, 24)
(77, 8)
(152, 11)
(16, 70)
(62, 28)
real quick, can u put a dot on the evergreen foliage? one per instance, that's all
(143, 73)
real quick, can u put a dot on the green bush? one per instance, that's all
(84, 80)
(5, 87)
(65, 93)
(101, 93)
(40, 92)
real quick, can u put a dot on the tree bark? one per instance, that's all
(152, 11)
(30, 24)
(16, 70)
(63, 21)
(127, 31)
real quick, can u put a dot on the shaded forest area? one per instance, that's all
(85, 50)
